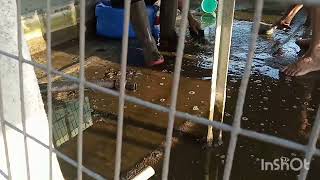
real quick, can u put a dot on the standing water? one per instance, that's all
(275, 104)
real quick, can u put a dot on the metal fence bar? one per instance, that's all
(242, 91)
(222, 48)
(200, 120)
(58, 153)
(49, 86)
(21, 86)
(306, 2)
(125, 39)
(235, 129)
(225, 127)
(213, 92)
(311, 146)
(175, 89)
(81, 85)
(4, 134)
(4, 174)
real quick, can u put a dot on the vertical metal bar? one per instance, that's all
(49, 86)
(311, 146)
(58, 153)
(124, 54)
(21, 86)
(81, 85)
(175, 88)
(242, 91)
(221, 60)
(4, 134)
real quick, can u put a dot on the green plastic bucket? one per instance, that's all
(209, 6)
(208, 20)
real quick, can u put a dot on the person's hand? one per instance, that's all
(283, 25)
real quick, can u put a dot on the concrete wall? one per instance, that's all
(36, 119)
(30, 6)
(65, 20)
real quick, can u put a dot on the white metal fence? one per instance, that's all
(236, 130)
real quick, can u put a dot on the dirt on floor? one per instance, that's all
(275, 104)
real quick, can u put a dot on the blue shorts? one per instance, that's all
(120, 3)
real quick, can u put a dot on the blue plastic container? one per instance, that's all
(110, 21)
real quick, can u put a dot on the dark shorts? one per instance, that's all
(120, 3)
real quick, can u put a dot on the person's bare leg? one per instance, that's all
(304, 43)
(308, 19)
(140, 22)
(168, 13)
(311, 60)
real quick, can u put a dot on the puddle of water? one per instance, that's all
(275, 105)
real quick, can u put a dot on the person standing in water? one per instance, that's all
(140, 22)
(310, 61)
(141, 25)
(168, 12)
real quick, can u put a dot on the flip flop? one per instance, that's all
(155, 62)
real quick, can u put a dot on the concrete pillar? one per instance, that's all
(36, 120)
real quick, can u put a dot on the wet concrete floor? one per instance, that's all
(275, 105)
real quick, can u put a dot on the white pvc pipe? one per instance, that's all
(145, 174)
(36, 119)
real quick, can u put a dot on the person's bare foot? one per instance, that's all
(310, 62)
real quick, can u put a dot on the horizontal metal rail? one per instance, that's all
(58, 153)
(204, 121)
